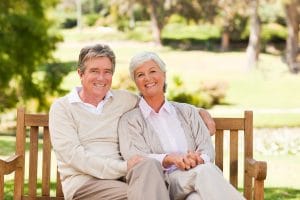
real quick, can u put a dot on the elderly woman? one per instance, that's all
(172, 133)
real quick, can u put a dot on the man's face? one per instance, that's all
(97, 77)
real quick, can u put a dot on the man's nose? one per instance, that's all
(100, 76)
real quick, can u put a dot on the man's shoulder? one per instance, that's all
(59, 102)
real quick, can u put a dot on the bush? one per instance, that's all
(207, 95)
(91, 19)
(273, 32)
(69, 23)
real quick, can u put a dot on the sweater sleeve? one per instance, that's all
(131, 140)
(201, 134)
(71, 155)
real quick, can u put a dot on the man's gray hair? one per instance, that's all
(94, 51)
(142, 57)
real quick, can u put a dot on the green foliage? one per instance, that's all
(205, 96)
(91, 19)
(27, 41)
(124, 82)
(273, 32)
(271, 12)
(141, 32)
(178, 19)
(181, 31)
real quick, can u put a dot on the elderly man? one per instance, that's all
(83, 128)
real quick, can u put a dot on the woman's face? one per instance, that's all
(149, 79)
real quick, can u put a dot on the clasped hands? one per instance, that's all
(183, 161)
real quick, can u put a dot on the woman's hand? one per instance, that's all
(181, 161)
(195, 156)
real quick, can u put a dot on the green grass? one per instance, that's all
(270, 193)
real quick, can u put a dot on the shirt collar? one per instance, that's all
(147, 110)
(74, 96)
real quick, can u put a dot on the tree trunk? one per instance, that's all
(79, 14)
(253, 48)
(292, 19)
(155, 24)
(225, 40)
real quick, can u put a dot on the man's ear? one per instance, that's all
(80, 73)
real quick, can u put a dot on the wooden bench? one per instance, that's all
(254, 172)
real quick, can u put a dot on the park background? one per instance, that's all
(224, 55)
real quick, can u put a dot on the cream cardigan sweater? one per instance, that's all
(86, 145)
(137, 137)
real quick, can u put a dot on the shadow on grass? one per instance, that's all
(270, 193)
(282, 194)
(9, 189)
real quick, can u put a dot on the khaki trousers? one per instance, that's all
(144, 181)
(204, 182)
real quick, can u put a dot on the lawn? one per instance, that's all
(268, 90)
(282, 182)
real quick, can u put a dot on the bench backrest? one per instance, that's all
(37, 124)
(234, 127)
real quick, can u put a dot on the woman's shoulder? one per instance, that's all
(184, 106)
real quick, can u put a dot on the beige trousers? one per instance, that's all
(145, 181)
(204, 182)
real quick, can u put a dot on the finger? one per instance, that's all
(187, 162)
(193, 163)
(180, 164)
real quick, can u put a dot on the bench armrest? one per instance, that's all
(10, 164)
(256, 169)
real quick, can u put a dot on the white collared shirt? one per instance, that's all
(168, 128)
(73, 97)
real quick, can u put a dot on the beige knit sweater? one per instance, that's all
(86, 145)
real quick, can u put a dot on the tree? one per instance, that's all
(26, 43)
(228, 12)
(253, 48)
(292, 10)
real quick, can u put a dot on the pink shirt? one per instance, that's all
(168, 129)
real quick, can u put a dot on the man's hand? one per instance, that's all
(134, 160)
(208, 120)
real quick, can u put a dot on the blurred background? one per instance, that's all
(224, 55)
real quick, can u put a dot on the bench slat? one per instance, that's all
(46, 163)
(219, 137)
(234, 158)
(33, 157)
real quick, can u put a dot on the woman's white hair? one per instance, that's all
(142, 57)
